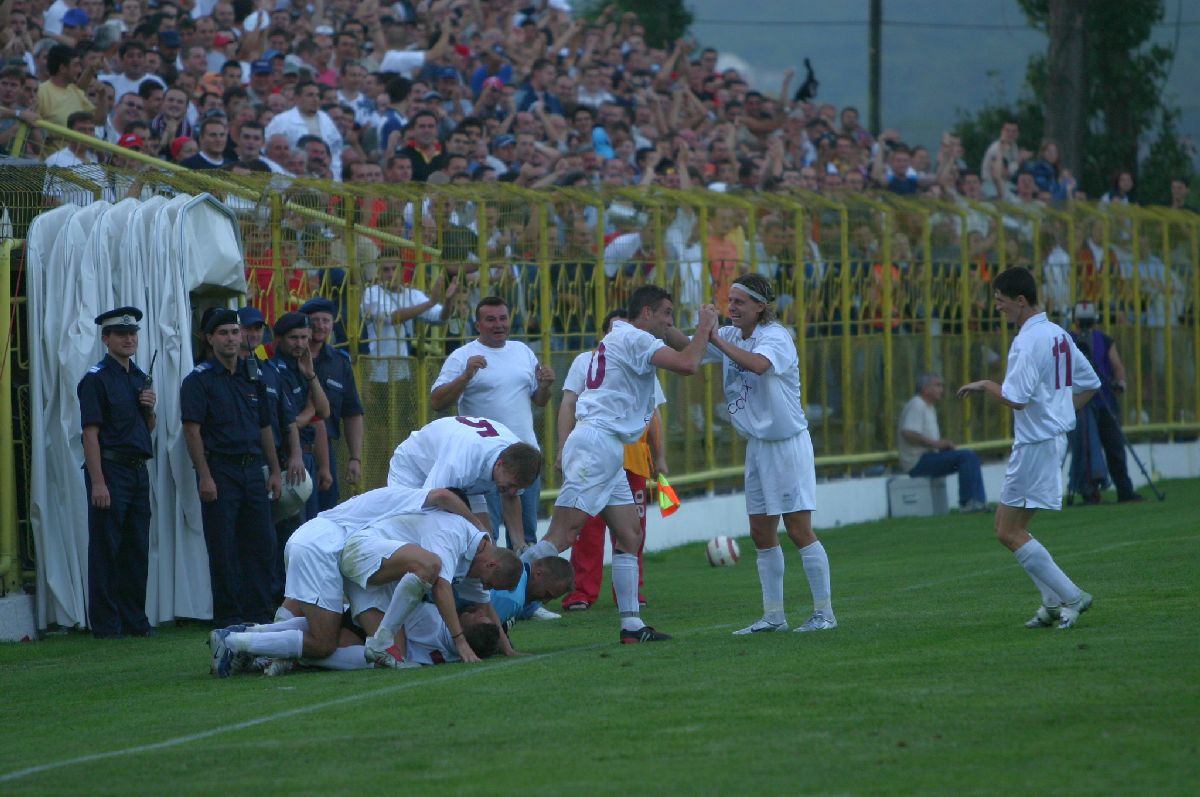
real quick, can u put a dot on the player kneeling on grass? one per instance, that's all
(314, 585)
(1048, 380)
(389, 571)
(762, 393)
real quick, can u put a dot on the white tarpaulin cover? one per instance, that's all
(83, 261)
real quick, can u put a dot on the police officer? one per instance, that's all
(227, 427)
(298, 378)
(116, 406)
(337, 379)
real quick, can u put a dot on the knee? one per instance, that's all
(427, 567)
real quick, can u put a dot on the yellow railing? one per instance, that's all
(876, 288)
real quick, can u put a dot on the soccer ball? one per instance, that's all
(722, 551)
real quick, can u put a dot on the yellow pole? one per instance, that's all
(10, 575)
(545, 317)
(1137, 317)
(927, 290)
(798, 296)
(281, 281)
(419, 281)
(964, 298)
(847, 360)
(1196, 309)
(1168, 320)
(710, 449)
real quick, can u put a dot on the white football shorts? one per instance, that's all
(364, 552)
(781, 476)
(310, 560)
(1033, 479)
(593, 471)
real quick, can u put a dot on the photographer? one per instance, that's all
(1098, 427)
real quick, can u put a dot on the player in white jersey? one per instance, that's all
(428, 640)
(613, 411)
(309, 625)
(1047, 381)
(386, 579)
(474, 455)
(761, 374)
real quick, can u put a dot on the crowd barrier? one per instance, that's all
(875, 287)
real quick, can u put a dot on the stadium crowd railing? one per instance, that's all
(877, 289)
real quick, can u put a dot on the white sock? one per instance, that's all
(350, 658)
(816, 568)
(539, 550)
(1040, 566)
(283, 614)
(406, 597)
(279, 645)
(295, 623)
(624, 579)
(1049, 596)
(771, 567)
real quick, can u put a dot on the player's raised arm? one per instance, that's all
(688, 360)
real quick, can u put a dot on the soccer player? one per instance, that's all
(542, 580)
(427, 639)
(314, 586)
(611, 412)
(761, 374)
(380, 577)
(1047, 381)
(474, 455)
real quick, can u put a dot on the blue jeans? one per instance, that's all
(529, 508)
(943, 463)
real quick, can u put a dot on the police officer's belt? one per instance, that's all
(235, 459)
(121, 458)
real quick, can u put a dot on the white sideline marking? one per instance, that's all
(466, 672)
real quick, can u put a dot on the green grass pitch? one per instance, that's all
(929, 686)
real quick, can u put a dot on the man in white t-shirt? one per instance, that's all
(1047, 381)
(924, 452)
(308, 624)
(613, 411)
(471, 454)
(501, 379)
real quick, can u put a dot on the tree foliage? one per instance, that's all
(1124, 106)
(665, 21)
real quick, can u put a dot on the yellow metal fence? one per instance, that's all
(876, 289)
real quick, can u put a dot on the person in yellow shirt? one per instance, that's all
(64, 93)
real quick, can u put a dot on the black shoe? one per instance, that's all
(643, 634)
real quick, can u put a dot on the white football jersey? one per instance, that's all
(1045, 368)
(455, 452)
(503, 390)
(452, 538)
(425, 635)
(619, 383)
(373, 505)
(765, 407)
(576, 380)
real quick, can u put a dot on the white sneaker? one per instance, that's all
(386, 657)
(542, 613)
(1069, 612)
(1044, 617)
(818, 622)
(762, 626)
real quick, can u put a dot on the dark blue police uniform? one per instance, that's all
(295, 386)
(337, 378)
(231, 409)
(119, 536)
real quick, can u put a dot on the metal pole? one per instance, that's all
(10, 573)
(875, 56)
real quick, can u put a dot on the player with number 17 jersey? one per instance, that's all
(1045, 369)
(620, 383)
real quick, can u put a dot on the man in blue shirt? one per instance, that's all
(116, 408)
(227, 428)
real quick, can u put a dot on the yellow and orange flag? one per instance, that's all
(668, 501)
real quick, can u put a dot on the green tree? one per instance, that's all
(665, 21)
(1101, 51)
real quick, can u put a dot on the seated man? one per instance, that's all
(314, 586)
(924, 452)
(384, 588)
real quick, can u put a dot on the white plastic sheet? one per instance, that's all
(82, 261)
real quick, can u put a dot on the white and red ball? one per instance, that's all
(722, 551)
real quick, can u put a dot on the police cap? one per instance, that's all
(289, 321)
(121, 319)
(318, 304)
(218, 317)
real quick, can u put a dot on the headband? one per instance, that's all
(753, 294)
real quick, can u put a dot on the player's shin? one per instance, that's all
(624, 578)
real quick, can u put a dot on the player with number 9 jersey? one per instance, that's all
(465, 453)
